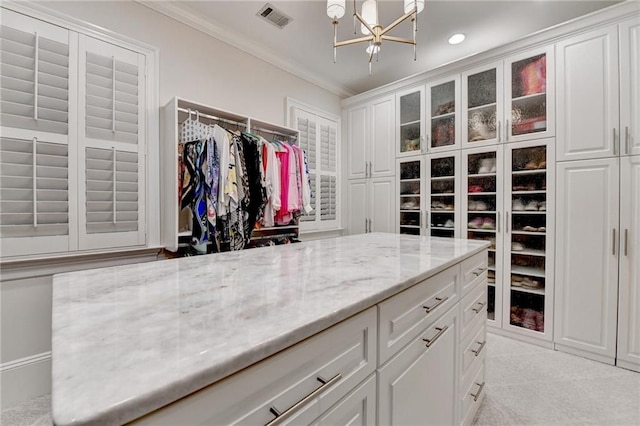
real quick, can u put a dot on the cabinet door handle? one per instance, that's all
(613, 245)
(370, 168)
(439, 301)
(506, 131)
(370, 226)
(480, 348)
(479, 308)
(477, 394)
(615, 145)
(626, 242)
(506, 224)
(499, 131)
(498, 220)
(626, 140)
(441, 330)
(280, 417)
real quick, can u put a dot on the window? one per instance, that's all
(319, 138)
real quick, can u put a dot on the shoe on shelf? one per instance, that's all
(476, 223)
(448, 224)
(488, 223)
(542, 206)
(542, 229)
(542, 165)
(481, 206)
(516, 246)
(485, 165)
(531, 165)
(493, 243)
(475, 188)
(529, 317)
(472, 205)
(516, 281)
(448, 207)
(409, 205)
(517, 205)
(540, 322)
(532, 206)
(531, 283)
(530, 229)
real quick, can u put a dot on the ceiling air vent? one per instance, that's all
(274, 16)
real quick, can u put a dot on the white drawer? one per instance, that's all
(474, 270)
(473, 349)
(357, 409)
(403, 316)
(472, 396)
(343, 355)
(474, 306)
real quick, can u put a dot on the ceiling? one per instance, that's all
(305, 45)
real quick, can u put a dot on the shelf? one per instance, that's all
(478, 175)
(443, 178)
(491, 284)
(528, 211)
(538, 291)
(527, 233)
(528, 172)
(481, 230)
(408, 123)
(476, 212)
(481, 193)
(410, 226)
(443, 211)
(535, 191)
(276, 228)
(529, 252)
(476, 108)
(528, 97)
(184, 234)
(409, 210)
(490, 250)
(409, 195)
(491, 268)
(441, 116)
(410, 180)
(446, 194)
(443, 228)
(527, 270)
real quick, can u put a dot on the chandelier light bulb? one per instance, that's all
(373, 48)
(456, 39)
(409, 4)
(335, 8)
(370, 15)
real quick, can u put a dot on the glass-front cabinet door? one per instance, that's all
(411, 195)
(530, 95)
(482, 170)
(444, 194)
(443, 114)
(482, 106)
(410, 123)
(528, 240)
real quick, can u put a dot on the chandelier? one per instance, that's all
(373, 32)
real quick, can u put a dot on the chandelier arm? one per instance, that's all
(362, 21)
(398, 39)
(399, 21)
(353, 41)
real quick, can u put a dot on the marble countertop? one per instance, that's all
(130, 339)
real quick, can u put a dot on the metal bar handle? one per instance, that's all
(626, 140)
(35, 183)
(506, 131)
(477, 394)
(479, 271)
(441, 330)
(499, 131)
(439, 301)
(626, 242)
(613, 245)
(370, 226)
(480, 348)
(498, 220)
(615, 148)
(113, 96)
(479, 308)
(506, 224)
(280, 417)
(366, 223)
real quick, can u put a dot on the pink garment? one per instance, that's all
(294, 185)
(283, 214)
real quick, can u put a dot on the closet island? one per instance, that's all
(373, 328)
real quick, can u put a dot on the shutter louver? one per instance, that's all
(327, 198)
(328, 148)
(34, 80)
(111, 190)
(307, 139)
(31, 208)
(111, 99)
(310, 217)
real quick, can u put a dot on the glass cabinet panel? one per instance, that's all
(410, 114)
(410, 196)
(528, 237)
(443, 115)
(482, 106)
(481, 212)
(443, 184)
(529, 95)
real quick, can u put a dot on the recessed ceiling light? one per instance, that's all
(456, 39)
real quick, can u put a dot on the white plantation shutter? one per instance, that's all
(306, 125)
(111, 174)
(328, 136)
(328, 198)
(34, 75)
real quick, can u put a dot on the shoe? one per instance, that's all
(529, 317)
(491, 277)
(475, 188)
(542, 165)
(409, 205)
(540, 322)
(472, 205)
(448, 207)
(516, 246)
(530, 229)
(493, 168)
(489, 223)
(493, 243)
(476, 223)
(532, 206)
(542, 206)
(485, 166)
(542, 229)
(517, 205)
(516, 281)
(448, 224)
(531, 283)
(531, 165)
(481, 206)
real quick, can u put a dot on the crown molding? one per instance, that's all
(181, 13)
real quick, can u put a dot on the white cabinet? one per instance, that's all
(628, 355)
(371, 144)
(443, 114)
(357, 409)
(630, 85)
(411, 192)
(410, 125)
(369, 206)
(444, 204)
(482, 105)
(418, 386)
(587, 257)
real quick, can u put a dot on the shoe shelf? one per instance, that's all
(529, 98)
(480, 107)
(527, 233)
(531, 192)
(528, 172)
(529, 212)
(538, 291)
(481, 230)
(416, 210)
(442, 211)
(441, 178)
(482, 175)
(411, 197)
(527, 270)
(529, 252)
(475, 212)
(481, 194)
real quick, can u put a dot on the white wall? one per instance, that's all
(197, 67)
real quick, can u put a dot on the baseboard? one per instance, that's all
(628, 365)
(585, 354)
(24, 379)
(516, 336)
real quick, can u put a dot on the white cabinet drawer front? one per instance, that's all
(473, 348)
(406, 314)
(474, 306)
(343, 355)
(472, 396)
(356, 409)
(474, 271)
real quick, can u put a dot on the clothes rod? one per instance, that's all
(212, 117)
(260, 129)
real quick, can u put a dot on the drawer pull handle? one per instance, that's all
(477, 394)
(441, 330)
(280, 417)
(479, 308)
(439, 301)
(479, 271)
(480, 348)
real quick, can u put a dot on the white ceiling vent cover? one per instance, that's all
(274, 16)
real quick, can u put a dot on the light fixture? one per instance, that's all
(456, 39)
(373, 32)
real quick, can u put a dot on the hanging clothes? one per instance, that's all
(252, 148)
(272, 183)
